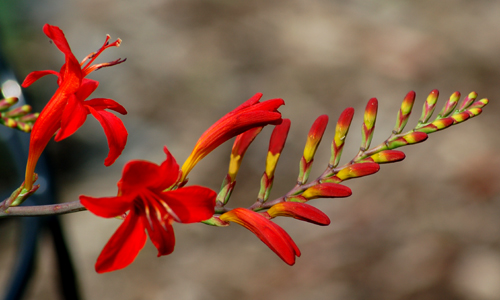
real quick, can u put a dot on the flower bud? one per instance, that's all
(314, 137)
(468, 101)
(388, 156)
(299, 211)
(327, 190)
(7, 103)
(341, 131)
(369, 123)
(410, 138)
(429, 106)
(358, 170)
(404, 112)
(276, 144)
(240, 146)
(450, 105)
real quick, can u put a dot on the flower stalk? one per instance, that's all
(151, 197)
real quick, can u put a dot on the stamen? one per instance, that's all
(163, 224)
(170, 211)
(158, 213)
(148, 216)
(92, 56)
(160, 217)
(93, 68)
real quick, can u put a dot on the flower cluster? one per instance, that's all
(152, 197)
(20, 117)
(258, 217)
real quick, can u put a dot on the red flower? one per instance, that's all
(248, 115)
(267, 231)
(143, 192)
(67, 110)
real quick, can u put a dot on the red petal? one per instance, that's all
(268, 232)
(287, 239)
(103, 103)
(34, 76)
(57, 35)
(73, 117)
(115, 132)
(233, 124)
(108, 207)
(269, 105)
(87, 87)
(137, 175)
(254, 99)
(72, 66)
(123, 247)
(162, 235)
(169, 171)
(191, 204)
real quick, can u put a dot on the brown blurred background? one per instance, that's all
(424, 228)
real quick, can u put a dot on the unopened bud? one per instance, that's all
(388, 156)
(404, 112)
(468, 101)
(299, 211)
(369, 123)
(276, 144)
(7, 103)
(450, 105)
(17, 112)
(410, 138)
(358, 170)
(341, 131)
(429, 106)
(327, 190)
(314, 137)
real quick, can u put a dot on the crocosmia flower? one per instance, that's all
(248, 115)
(144, 192)
(67, 110)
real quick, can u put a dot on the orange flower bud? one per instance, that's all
(314, 137)
(388, 156)
(276, 144)
(240, 146)
(299, 211)
(327, 190)
(358, 170)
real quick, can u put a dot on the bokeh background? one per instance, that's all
(424, 228)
